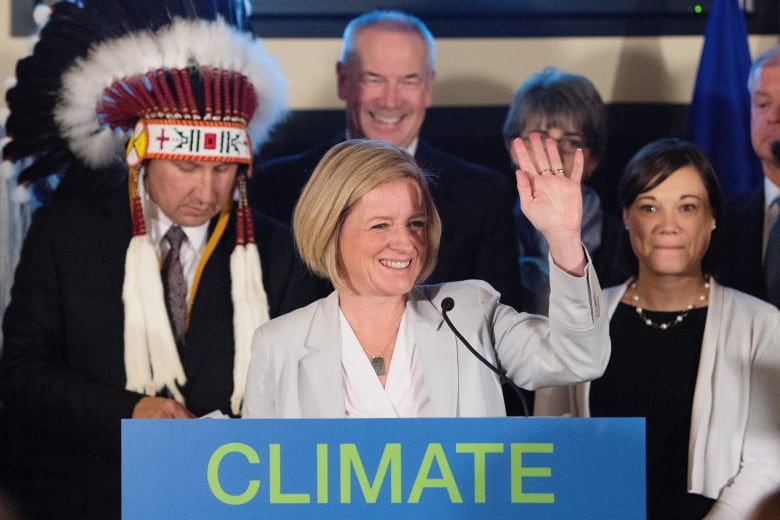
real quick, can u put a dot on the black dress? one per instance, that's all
(652, 374)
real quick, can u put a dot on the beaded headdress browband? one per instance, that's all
(154, 79)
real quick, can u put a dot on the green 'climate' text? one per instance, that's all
(434, 462)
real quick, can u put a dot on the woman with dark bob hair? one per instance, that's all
(700, 361)
(378, 345)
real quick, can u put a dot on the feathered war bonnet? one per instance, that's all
(154, 79)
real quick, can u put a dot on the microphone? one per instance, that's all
(447, 304)
(776, 151)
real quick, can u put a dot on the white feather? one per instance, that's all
(20, 195)
(250, 310)
(242, 320)
(163, 353)
(151, 355)
(41, 14)
(258, 300)
(137, 368)
(207, 43)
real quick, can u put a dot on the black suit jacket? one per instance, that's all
(62, 375)
(739, 244)
(475, 204)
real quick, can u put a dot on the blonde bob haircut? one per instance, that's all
(347, 172)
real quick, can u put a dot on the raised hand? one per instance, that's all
(551, 201)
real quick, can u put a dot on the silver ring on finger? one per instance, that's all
(558, 171)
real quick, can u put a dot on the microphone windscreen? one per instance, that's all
(447, 304)
(776, 151)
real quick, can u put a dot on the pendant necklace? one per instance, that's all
(674, 321)
(377, 362)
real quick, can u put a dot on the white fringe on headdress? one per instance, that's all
(250, 310)
(151, 356)
(212, 44)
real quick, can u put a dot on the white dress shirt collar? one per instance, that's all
(157, 224)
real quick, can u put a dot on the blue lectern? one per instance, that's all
(529, 468)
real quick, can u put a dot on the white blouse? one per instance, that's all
(404, 393)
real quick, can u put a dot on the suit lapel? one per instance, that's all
(744, 257)
(321, 391)
(437, 348)
(753, 229)
(108, 225)
(276, 263)
(430, 161)
(210, 323)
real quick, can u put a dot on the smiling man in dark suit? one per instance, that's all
(751, 262)
(385, 77)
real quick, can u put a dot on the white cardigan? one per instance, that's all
(734, 443)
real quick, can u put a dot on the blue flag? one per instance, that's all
(719, 120)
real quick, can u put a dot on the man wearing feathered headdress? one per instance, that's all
(137, 302)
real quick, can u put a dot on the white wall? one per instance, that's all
(485, 71)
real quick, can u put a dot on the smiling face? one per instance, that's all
(190, 193)
(670, 225)
(383, 240)
(387, 86)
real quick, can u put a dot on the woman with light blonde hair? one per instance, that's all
(318, 214)
(378, 346)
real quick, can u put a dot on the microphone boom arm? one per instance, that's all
(448, 304)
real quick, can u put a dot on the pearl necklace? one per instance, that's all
(674, 321)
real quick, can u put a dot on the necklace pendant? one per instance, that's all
(378, 364)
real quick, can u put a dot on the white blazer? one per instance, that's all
(734, 443)
(295, 369)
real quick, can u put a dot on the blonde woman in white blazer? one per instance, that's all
(378, 345)
(733, 439)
